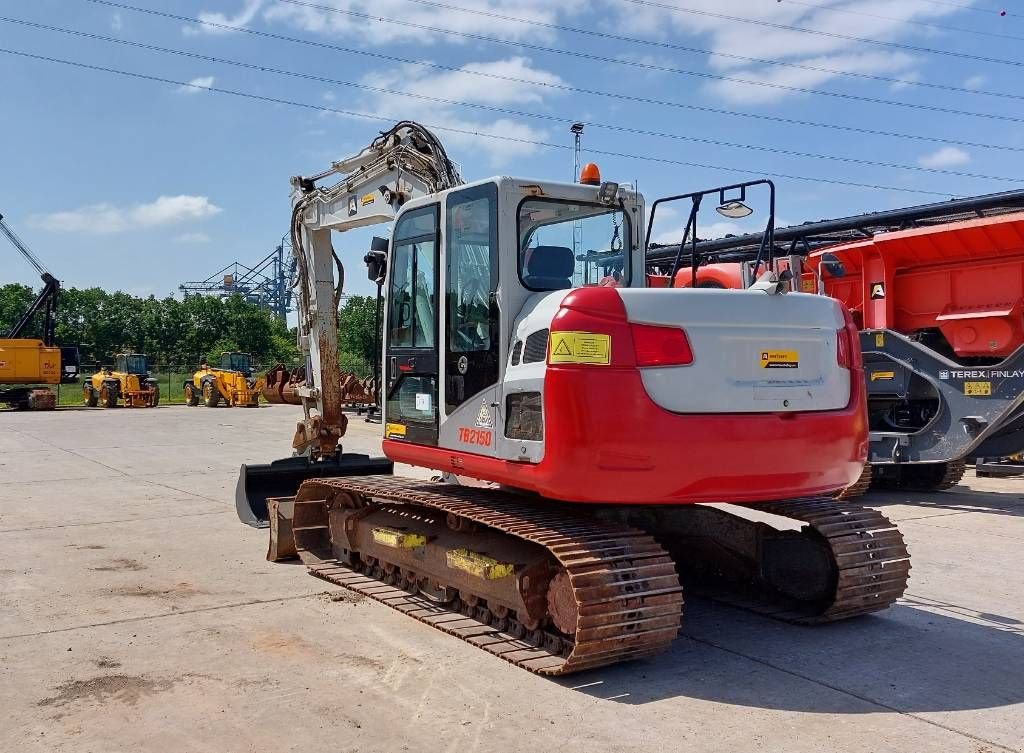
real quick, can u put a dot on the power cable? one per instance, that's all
(704, 51)
(462, 131)
(563, 87)
(494, 108)
(829, 34)
(659, 68)
(910, 21)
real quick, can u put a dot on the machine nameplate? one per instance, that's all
(978, 389)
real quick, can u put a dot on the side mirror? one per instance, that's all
(377, 260)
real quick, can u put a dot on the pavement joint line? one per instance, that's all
(144, 618)
(113, 522)
(850, 693)
(113, 469)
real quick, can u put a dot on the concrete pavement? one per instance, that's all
(136, 614)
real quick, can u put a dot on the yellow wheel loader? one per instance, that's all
(231, 382)
(129, 381)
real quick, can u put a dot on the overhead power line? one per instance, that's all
(659, 68)
(561, 87)
(829, 34)
(462, 131)
(977, 8)
(498, 109)
(909, 21)
(704, 51)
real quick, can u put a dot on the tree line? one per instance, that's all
(173, 331)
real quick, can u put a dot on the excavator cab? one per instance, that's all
(526, 359)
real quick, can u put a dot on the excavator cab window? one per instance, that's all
(471, 277)
(564, 244)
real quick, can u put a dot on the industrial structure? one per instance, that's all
(267, 283)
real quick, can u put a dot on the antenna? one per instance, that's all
(577, 227)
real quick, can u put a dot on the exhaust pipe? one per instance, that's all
(282, 478)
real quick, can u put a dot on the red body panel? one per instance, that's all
(965, 279)
(606, 441)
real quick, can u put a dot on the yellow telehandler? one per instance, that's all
(231, 382)
(128, 380)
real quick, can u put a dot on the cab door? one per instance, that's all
(411, 372)
(472, 339)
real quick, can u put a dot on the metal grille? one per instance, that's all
(517, 352)
(536, 347)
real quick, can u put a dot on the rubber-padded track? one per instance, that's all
(625, 585)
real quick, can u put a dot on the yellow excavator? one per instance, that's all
(129, 380)
(230, 382)
(27, 364)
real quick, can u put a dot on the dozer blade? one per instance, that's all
(282, 478)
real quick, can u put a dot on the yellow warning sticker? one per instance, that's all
(978, 389)
(368, 199)
(580, 347)
(879, 340)
(394, 430)
(886, 375)
(780, 359)
(807, 285)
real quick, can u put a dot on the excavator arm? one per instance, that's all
(404, 162)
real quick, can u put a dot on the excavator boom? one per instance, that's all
(403, 163)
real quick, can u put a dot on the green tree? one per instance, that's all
(356, 323)
(169, 331)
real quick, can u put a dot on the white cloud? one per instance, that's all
(906, 80)
(243, 17)
(462, 85)
(105, 219)
(947, 156)
(196, 85)
(975, 82)
(878, 19)
(192, 238)
(373, 32)
(116, 23)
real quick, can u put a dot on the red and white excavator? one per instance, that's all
(582, 420)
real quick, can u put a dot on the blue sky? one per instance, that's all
(136, 185)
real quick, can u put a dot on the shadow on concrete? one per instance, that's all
(957, 499)
(920, 657)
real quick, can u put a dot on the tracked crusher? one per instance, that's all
(561, 534)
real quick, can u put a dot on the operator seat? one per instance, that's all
(549, 268)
